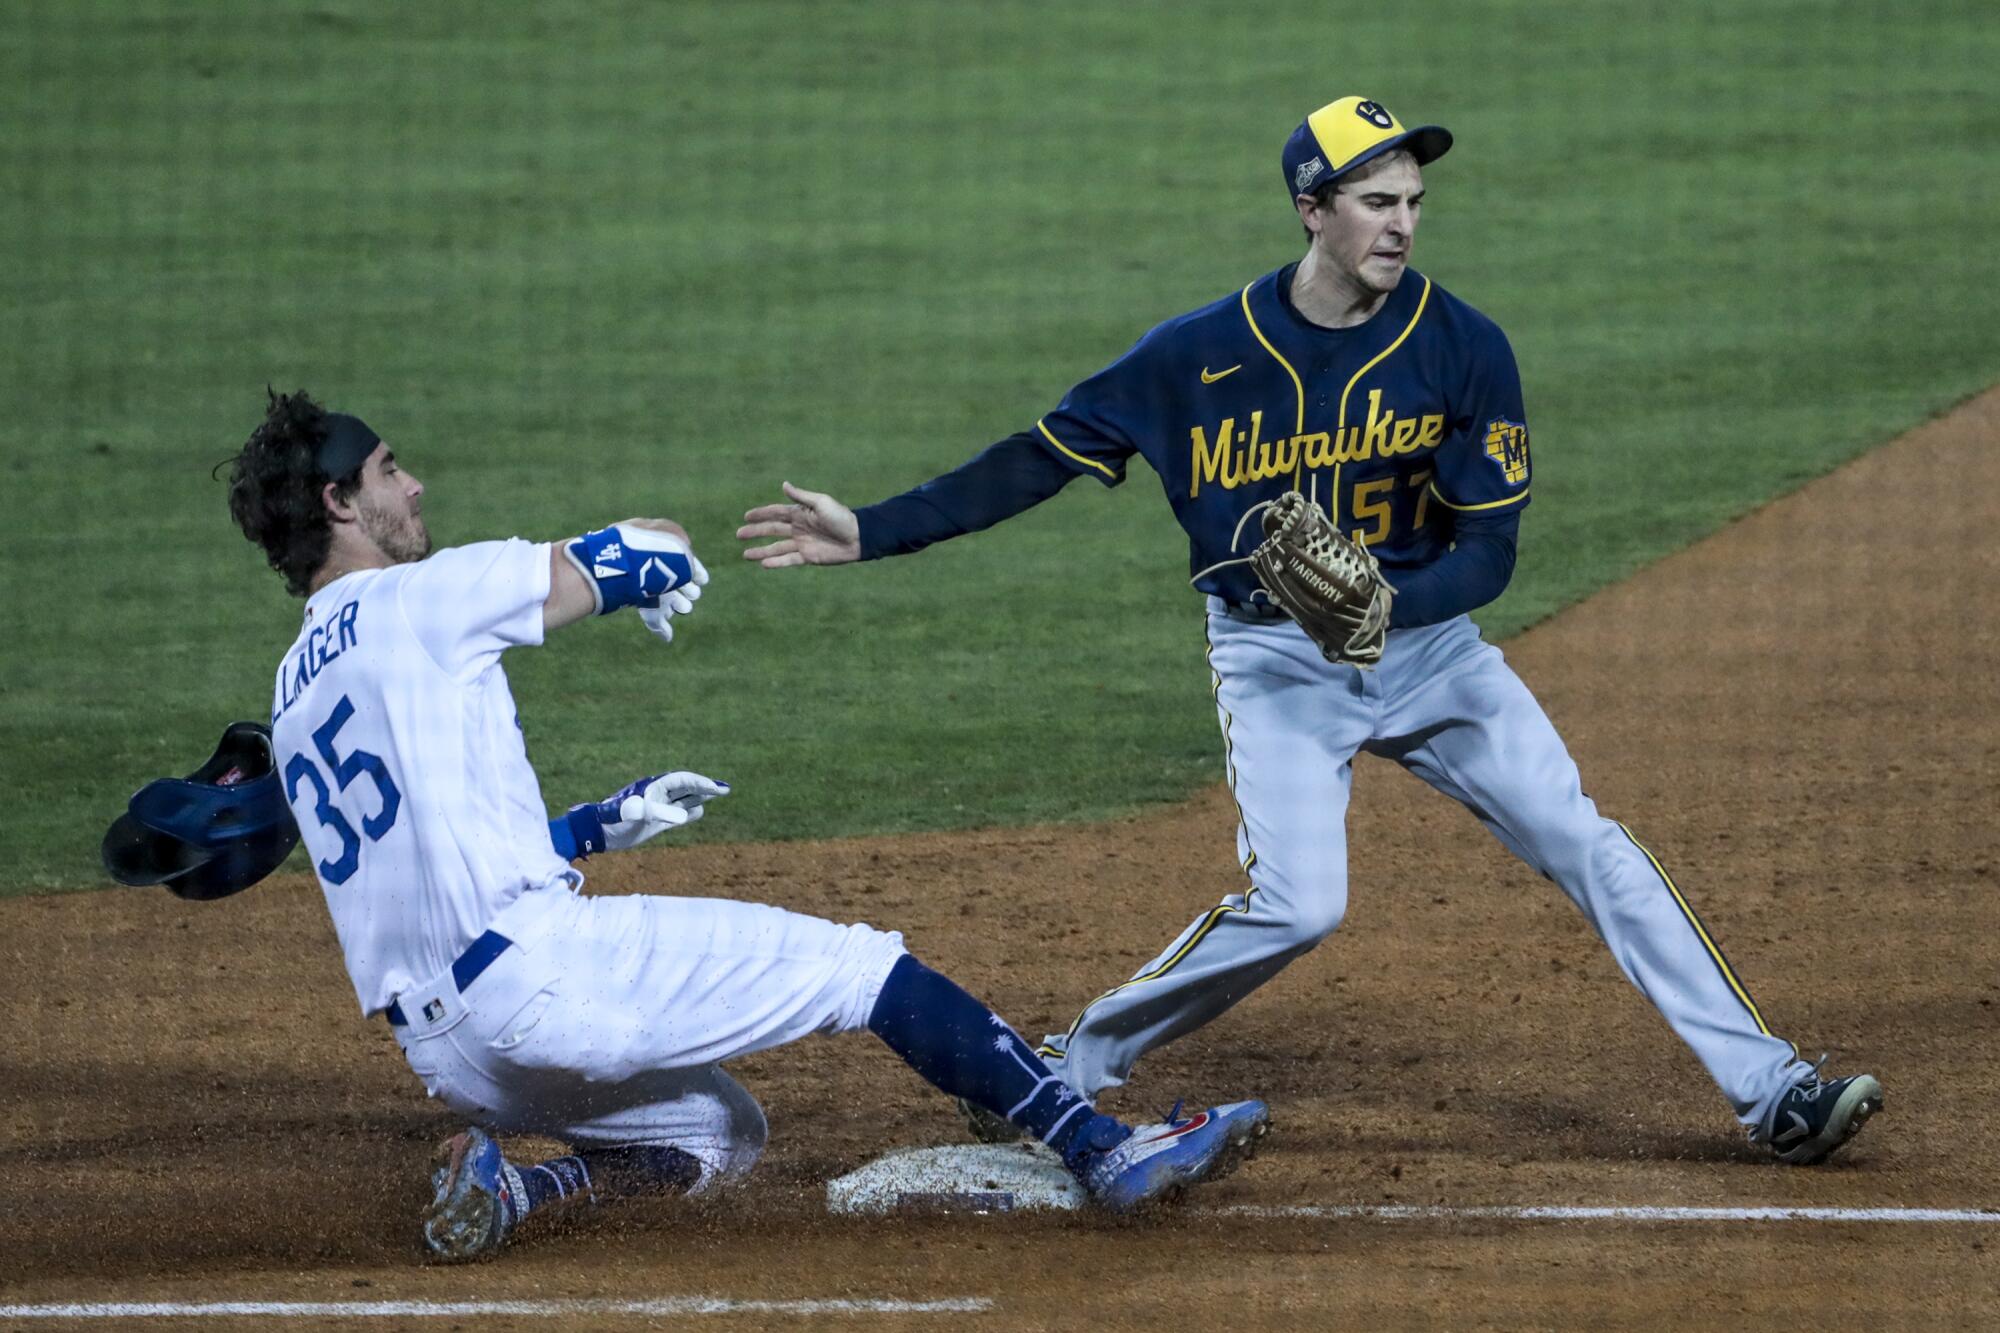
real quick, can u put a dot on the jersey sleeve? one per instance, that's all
(1008, 478)
(1482, 466)
(1097, 426)
(469, 604)
(1468, 576)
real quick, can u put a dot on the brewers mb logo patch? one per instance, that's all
(1507, 446)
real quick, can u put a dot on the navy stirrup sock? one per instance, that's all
(553, 1181)
(965, 1049)
(608, 1173)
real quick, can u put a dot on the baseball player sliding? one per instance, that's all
(522, 1004)
(1373, 423)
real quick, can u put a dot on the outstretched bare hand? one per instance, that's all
(814, 529)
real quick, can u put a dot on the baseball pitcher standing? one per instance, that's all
(1374, 423)
(524, 1005)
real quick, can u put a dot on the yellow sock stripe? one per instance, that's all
(1220, 910)
(1701, 931)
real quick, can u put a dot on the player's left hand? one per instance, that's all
(650, 806)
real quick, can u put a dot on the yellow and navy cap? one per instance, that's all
(1342, 135)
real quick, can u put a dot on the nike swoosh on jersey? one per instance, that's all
(1207, 378)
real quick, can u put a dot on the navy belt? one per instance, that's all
(478, 956)
(1255, 611)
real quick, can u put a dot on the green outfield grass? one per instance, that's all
(583, 260)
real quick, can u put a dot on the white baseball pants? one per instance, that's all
(609, 1019)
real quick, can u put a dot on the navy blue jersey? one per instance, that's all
(1394, 425)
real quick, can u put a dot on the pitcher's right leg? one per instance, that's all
(1291, 724)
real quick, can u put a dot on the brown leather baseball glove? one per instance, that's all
(1327, 582)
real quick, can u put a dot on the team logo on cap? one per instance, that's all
(1375, 114)
(1307, 173)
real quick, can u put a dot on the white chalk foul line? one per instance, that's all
(716, 1305)
(553, 1309)
(1553, 1213)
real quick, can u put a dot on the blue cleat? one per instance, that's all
(478, 1197)
(1158, 1162)
(1816, 1115)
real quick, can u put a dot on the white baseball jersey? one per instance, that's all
(403, 759)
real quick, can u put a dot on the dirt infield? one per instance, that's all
(1796, 715)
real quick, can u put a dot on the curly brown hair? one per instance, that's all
(275, 484)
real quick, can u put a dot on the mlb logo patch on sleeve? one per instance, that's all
(1507, 446)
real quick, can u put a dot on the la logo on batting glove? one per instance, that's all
(628, 565)
(641, 810)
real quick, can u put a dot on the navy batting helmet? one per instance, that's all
(213, 833)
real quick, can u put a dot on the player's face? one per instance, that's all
(1368, 229)
(389, 508)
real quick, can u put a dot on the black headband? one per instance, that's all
(346, 447)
